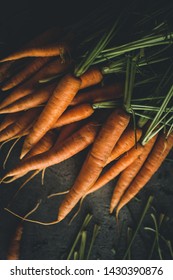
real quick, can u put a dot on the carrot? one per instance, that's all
(129, 173)
(4, 70)
(57, 104)
(34, 99)
(74, 114)
(117, 168)
(77, 142)
(125, 143)
(54, 49)
(91, 77)
(157, 155)
(9, 119)
(21, 124)
(14, 249)
(107, 92)
(96, 159)
(67, 130)
(25, 73)
(27, 87)
(46, 37)
(43, 145)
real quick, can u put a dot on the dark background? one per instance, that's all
(20, 21)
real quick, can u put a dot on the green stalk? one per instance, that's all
(84, 225)
(95, 233)
(157, 119)
(90, 56)
(82, 245)
(138, 226)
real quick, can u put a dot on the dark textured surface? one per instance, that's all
(54, 242)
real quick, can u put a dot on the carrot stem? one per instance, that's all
(138, 226)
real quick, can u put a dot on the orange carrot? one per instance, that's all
(67, 130)
(57, 104)
(27, 87)
(4, 70)
(46, 37)
(129, 173)
(125, 143)
(21, 124)
(77, 142)
(14, 249)
(9, 119)
(54, 49)
(157, 155)
(74, 114)
(43, 145)
(25, 73)
(96, 159)
(91, 77)
(117, 168)
(60, 99)
(34, 99)
(107, 92)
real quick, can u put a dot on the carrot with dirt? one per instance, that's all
(36, 98)
(14, 248)
(53, 68)
(60, 99)
(77, 142)
(157, 155)
(20, 125)
(125, 143)
(30, 69)
(107, 92)
(102, 147)
(118, 167)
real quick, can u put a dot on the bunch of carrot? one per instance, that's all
(57, 120)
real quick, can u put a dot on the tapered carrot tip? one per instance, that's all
(60, 218)
(111, 209)
(24, 152)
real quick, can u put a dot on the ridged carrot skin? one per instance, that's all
(67, 130)
(20, 125)
(91, 77)
(54, 49)
(125, 143)
(34, 99)
(117, 168)
(107, 92)
(159, 152)
(77, 142)
(96, 159)
(25, 73)
(74, 114)
(53, 68)
(9, 119)
(60, 99)
(129, 174)
(45, 144)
